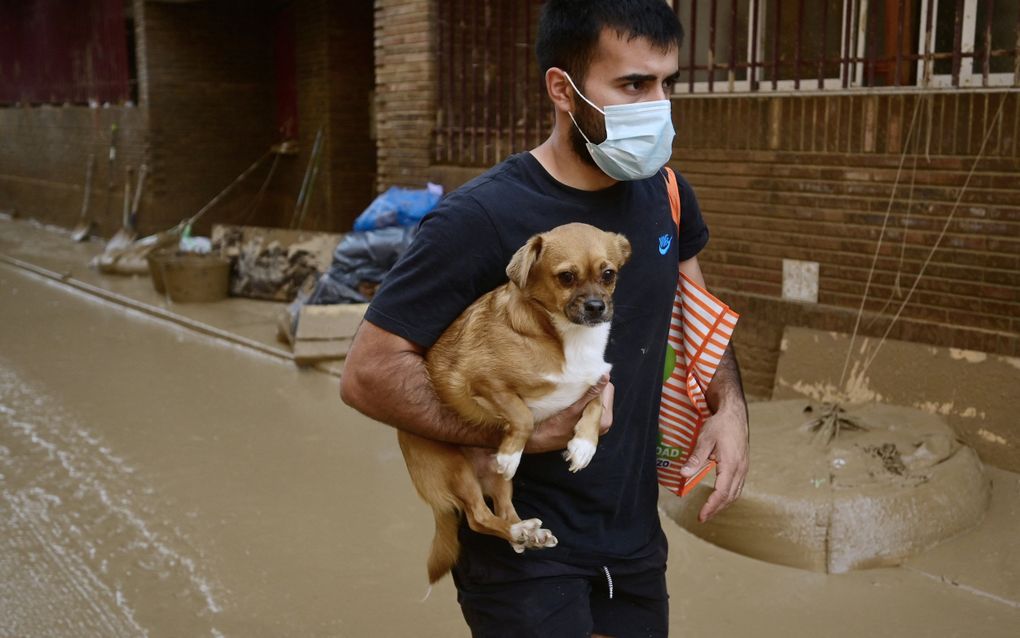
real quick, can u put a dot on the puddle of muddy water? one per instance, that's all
(160, 483)
(81, 532)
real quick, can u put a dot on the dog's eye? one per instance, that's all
(566, 278)
(608, 276)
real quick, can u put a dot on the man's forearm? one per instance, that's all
(397, 391)
(726, 390)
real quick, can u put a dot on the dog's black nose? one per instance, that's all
(594, 307)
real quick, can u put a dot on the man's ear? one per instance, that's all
(523, 260)
(560, 92)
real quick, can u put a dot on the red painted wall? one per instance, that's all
(63, 51)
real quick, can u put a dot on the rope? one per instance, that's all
(237, 180)
(878, 248)
(945, 227)
(897, 291)
(262, 190)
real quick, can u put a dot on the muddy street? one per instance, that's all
(157, 482)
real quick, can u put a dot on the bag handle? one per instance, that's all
(673, 190)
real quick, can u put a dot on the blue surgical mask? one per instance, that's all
(639, 138)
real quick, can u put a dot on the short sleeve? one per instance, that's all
(455, 258)
(693, 234)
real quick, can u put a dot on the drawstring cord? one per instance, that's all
(609, 581)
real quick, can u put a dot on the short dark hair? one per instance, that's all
(569, 30)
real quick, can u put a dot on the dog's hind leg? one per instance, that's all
(493, 485)
(520, 534)
(501, 493)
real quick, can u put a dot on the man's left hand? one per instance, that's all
(723, 439)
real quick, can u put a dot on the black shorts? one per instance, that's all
(567, 606)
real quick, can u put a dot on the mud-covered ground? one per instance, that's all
(158, 482)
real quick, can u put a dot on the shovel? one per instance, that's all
(133, 216)
(126, 234)
(84, 226)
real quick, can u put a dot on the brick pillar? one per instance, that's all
(405, 71)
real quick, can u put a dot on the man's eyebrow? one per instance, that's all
(636, 77)
(645, 77)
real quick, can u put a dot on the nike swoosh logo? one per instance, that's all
(664, 243)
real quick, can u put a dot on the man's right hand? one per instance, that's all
(555, 432)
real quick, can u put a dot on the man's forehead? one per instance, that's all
(620, 54)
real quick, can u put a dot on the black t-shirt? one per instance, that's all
(605, 514)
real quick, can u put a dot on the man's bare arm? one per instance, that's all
(724, 435)
(385, 378)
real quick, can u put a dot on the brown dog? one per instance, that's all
(516, 356)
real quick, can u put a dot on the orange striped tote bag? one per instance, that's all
(699, 331)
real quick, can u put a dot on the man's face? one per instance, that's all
(622, 71)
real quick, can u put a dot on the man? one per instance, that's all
(607, 575)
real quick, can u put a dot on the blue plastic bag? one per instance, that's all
(399, 207)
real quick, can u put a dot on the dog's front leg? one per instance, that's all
(520, 423)
(581, 448)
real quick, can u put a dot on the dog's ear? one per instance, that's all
(623, 245)
(523, 260)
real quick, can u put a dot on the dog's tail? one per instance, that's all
(445, 545)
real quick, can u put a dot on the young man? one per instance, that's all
(605, 62)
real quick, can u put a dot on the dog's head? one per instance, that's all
(571, 271)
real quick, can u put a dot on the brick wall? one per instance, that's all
(351, 85)
(312, 59)
(206, 87)
(44, 152)
(405, 90)
(335, 78)
(205, 114)
(811, 178)
(211, 103)
(43, 156)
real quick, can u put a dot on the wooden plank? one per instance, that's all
(309, 351)
(329, 322)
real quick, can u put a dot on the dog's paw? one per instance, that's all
(579, 453)
(507, 464)
(530, 535)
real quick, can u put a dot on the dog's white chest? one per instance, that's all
(584, 350)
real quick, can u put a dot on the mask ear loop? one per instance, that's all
(590, 103)
(576, 90)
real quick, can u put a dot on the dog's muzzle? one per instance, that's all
(590, 311)
(594, 309)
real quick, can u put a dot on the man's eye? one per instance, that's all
(566, 278)
(608, 276)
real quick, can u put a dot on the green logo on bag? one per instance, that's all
(664, 451)
(670, 363)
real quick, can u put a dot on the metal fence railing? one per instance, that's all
(490, 100)
(761, 45)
